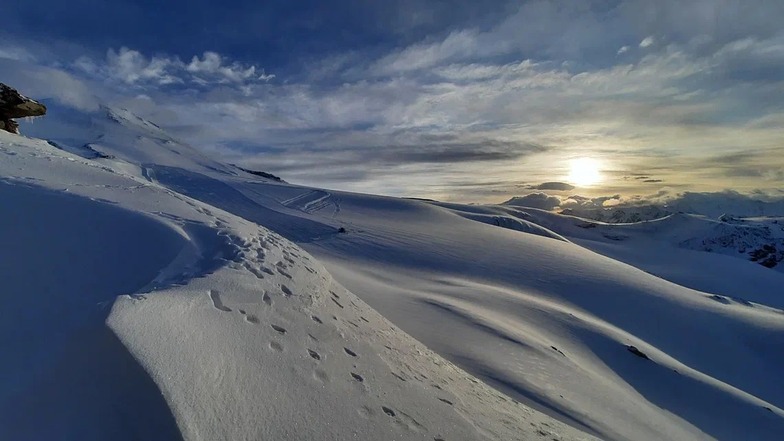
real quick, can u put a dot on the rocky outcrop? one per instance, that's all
(15, 105)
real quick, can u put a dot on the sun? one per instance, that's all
(584, 171)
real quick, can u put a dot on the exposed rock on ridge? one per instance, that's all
(15, 105)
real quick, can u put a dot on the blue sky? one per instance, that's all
(459, 100)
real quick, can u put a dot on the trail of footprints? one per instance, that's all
(251, 255)
(319, 374)
(217, 303)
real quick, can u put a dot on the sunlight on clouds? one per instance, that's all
(584, 172)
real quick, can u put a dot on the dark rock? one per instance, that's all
(341, 230)
(15, 105)
(637, 352)
(261, 173)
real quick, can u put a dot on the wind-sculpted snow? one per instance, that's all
(65, 258)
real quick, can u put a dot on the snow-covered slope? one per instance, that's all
(729, 257)
(248, 336)
(497, 302)
(131, 311)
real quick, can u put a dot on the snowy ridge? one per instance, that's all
(533, 325)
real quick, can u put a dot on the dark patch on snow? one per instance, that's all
(261, 173)
(637, 352)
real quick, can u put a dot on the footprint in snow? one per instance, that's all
(398, 377)
(252, 319)
(266, 299)
(350, 352)
(359, 378)
(286, 290)
(316, 319)
(216, 301)
(279, 329)
(314, 355)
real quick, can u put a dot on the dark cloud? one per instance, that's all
(652, 180)
(557, 186)
(455, 153)
(388, 156)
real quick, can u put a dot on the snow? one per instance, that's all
(135, 312)
(155, 293)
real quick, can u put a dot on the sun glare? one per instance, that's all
(584, 171)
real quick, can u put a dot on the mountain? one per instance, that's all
(711, 205)
(227, 305)
(620, 215)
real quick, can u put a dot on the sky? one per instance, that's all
(452, 100)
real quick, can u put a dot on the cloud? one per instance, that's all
(647, 42)
(557, 186)
(456, 45)
(131, 67)
(16, 53)
(44, 83)
(213, 65)
(542, 201)
(582, 202)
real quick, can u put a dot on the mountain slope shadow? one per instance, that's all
(65, 374)
(654, 382)
(97, 391)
